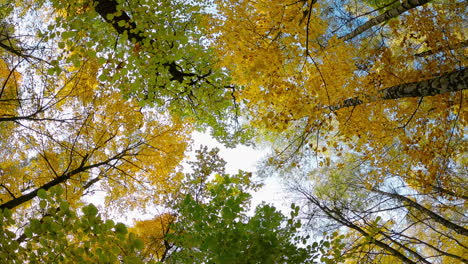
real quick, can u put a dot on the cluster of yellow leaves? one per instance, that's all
(81, 83)
(86, 122)
(446, 244)
(259, 46)
(9, 82)
(154, 233)
(292, 71)
(73, 8)
(266, 47)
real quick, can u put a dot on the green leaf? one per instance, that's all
(121, 228)
(35, 225)
(103, 77)
(51, 71)
(42, 194)
(28, 232)
(7, 213)
(138, 244)
(109, 224)
(57, 190)
(68, 34)
(122, 23)
(64, 206)
(102, 60)
(90, 210)
(42, 204)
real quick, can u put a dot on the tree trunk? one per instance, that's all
(437, 218)
(109, 7)
(394, 12)
(449, 82)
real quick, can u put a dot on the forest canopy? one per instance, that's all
(360, 103)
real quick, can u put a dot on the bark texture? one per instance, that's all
(106, 8)
(449, 82)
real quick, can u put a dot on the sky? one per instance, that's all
(246, 159)
(240, 158)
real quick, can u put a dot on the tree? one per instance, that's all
(328, 93)
(155, 233)
(381, 81)
(61, 125)
(62, 235)
(387, 223)
(153, 51)
(98, 96)
(75, 132)
(102, 95)
(209, 222)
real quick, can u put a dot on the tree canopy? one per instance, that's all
(362, 104)
(209, 222)
(364, 100)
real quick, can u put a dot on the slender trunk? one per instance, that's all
(394, 12)
(459, 45)
(437, 218)
(338, 217)
(445, 191)
(381, 244)
(449, 82)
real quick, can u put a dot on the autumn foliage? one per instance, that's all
(362, 105)
(380, 104)
(335, 94)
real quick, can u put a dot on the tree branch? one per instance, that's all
(335, 215)
(394, 12)
(20, 53)
(8, 190)
(445, 191)
(58, 180)
(459, 45)
(437, 218)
